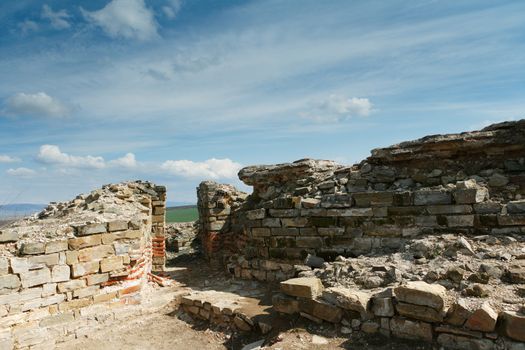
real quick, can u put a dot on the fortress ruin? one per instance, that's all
(424, 240)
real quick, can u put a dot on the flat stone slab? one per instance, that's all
(303, 287)
(422, 293)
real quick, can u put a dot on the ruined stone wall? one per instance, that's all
(469, 183)
(76, 260)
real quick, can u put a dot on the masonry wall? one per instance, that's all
(470, 183)
(50, 288)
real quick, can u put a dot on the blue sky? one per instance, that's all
(181, 91)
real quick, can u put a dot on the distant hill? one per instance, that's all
(170, 204)
(19, 210)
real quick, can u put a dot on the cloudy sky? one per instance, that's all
(180, 91)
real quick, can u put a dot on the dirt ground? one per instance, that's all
(171, 329)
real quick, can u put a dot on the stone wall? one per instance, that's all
(75, 257)
(469, 183)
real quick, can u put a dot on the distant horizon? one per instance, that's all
(177, 91)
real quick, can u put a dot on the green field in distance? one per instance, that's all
(182, 214)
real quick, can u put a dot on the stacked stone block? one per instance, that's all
(48, 288)
(415, 310)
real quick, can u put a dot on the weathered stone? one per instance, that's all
(71, 285)
(95, 253)
(516, 274)
(513, 325)
(449, 209)
(348, 299)
(46, 259)
(9, 282)
(256, 214)
(460, 221)
(56, 246)
(483, 319)
(432, 197)
(119, 225)
(8, 236)
(451, 341)
(511, 220)
(60, 273)
(407, 329)
(86, 268)
(32, 248)
(261, 232)
(498, 180)
(321, 309)
(458, 313)
(516, 207)
(35, 277)
(469, 192)
(83, 242)
(383, 307)
(4, 266)
(419, 312)
(368, 199)
(422, 293)
(304, 287)
(97, 278)
(487, 208)
(111, 264)
(90, 229)
(285, 304)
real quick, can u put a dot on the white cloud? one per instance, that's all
(21, 172)
(128, 161)
(8, 159)
(28, 26)
(39, 104)
(58, 20)
(172, 8)
(129, 19)
(211, 168)
(338, 108)
(51, 154)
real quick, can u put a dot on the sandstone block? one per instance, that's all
(85, 292)
(111, 264)
(4, 266)
(294, 222)
(97, 278)
(483, 319)
(285, 304)
(348, 299)
(9, 282)
(56, 246)
(8, 236)
(60, 273)
(35, 277)
(458, 313)
(422, 293)
(309, 242)
(516, 207)
(368, 199)
(119, 225)
(432, 197)
(70, 286)
(86, 268)
(261, 232)
(304, 287)
(46, 259)
(32, 248)
(419, 312)
(451, 341)
(95, 253)
(57, 319)
(83, 242)
(487, 208)
(383, 307)
(403, 328)
(256, 214)
(449, 209)
(321, 309)
(511, 220)
(513, 325)
(460, 221)
(90, 229)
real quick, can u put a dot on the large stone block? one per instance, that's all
(35, 277)
(9, 282)
(449, 209)
(86, 268)
(483, 319)
(45, 259)
(422, 293)
(285, 304)
(452, 341)
(511, 220)
(432, 197)
(56, 246)
(321, 309)
(419, 312)
(8, 236)
(516, 207)
(111, 264)
(348, 299)
(368, 199)
(460, 221)
(83, 242)
(458, 313)
(403, 328)
(256, 214)
(60, 273)
(513, 325)
(95, 253)
(91, 229)
(70, 286)
(119, 225)
(33, 248)
(304, 287)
